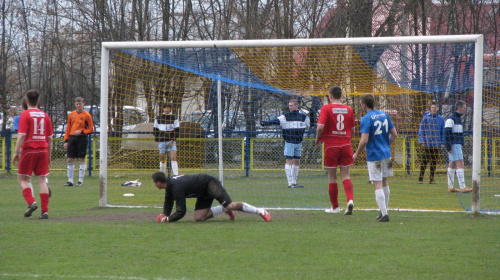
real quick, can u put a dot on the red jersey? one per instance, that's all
(37, 126)
(338, 120)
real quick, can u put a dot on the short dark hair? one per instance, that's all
(460, 104)
(294, 101)
(336, 92)
(32, 97)
(432, 103)
(24, 103)
(368, 99)
(159, 177)
(79, 99)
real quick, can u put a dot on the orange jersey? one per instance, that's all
(79, 121)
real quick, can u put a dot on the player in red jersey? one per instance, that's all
(335, 127)
(35, 138)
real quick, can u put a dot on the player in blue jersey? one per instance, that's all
(293, 124)
(377, 135)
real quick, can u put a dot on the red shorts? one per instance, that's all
(33, 161)
(338, 156)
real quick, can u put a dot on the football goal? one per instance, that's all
(221, 91)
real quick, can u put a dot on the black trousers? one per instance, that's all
(430, 155)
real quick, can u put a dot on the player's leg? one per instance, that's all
(423, 164)
(433, 162)
(245, 207)
(163, 150)
(41, 170)
(295, 171)
(71, 153)
(452, 167)
(375, 172)
(331, 155)
(216, 190)
(82, 152)
(23, 181)
(24, 170)
(81, 171)
(345, 162)
(288, 172)
(173, 158)
(297, 152)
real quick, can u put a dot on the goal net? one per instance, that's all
(220, 91)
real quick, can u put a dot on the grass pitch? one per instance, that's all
(83, 241)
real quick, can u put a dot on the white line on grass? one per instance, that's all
(51, 276)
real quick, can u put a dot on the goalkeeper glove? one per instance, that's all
(162, 218)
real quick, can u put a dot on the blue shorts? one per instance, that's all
(165, 148)
(293, 150)
(456, 154)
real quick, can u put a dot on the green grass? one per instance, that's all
(83, 241)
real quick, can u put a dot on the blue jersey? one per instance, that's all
(378, 124)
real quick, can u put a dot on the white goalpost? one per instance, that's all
(249, 140)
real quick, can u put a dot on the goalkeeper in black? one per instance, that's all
(205, 188)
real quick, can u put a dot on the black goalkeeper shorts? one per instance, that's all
(215, 191)
(77, 147)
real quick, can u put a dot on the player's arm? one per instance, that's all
(180, 210)
(156, 131)
(393, 134)
(68, 129)
(268, 123)
(90, 125)
(177, 130)
(448, 133)
(362, 145)
(319, 131)
(50, 142)
(19, 143)
(421, 132)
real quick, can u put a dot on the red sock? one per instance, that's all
(349, 190)
(333, 190)
(44, 197)
(28, 196)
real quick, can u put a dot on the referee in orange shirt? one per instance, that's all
(79, 125)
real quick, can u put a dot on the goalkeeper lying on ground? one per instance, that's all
(205, 188)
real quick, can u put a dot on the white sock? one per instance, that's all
(461, 179)
(70, 170)
(250, 209)
(217, 210)
(31, 187)
(288, 171)
(175, 168)
(387, 192)
(162, 167)
(451, 177)
(81, 171)
(295, 173)
(380, 198)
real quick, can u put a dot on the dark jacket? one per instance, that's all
(453, 130)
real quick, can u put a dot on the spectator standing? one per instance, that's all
(431, 139)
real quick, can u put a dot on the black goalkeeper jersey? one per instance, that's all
(181, 187)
